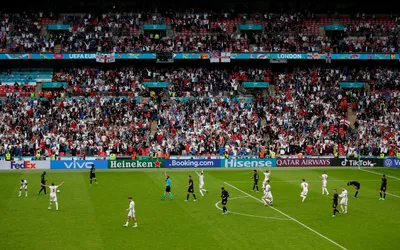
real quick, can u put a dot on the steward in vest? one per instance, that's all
(382, 156)
(38, 154)
(113, 157)
(398, 155)
(272, 154)
(53, 157)
(133, 156)
(226, 155)
(8, 156)
(262, 154)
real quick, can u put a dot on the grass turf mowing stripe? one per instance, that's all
(298, 222)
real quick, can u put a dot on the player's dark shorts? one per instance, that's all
(224, 202)
(383, 188)
(168, 189)
(256, 183)
(190, 190)
(358, 187)
(334, 205)
(92, 176)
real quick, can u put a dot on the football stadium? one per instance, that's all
(199, 125)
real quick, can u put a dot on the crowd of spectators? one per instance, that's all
(191, 31)
(307, 113)
(91, 126)
(22, 33)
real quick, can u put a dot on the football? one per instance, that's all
(58, 190)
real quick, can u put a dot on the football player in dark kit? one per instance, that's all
(190, 189)
(224, 197)
(335, 199)
(255, 178)
(93, 175)
(42, 182)
(383, 188)
(356, 186)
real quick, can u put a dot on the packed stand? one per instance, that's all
(307, 114)
(91, 126)
(98, 32)
(22, 33)
(184, 43)
(377, 124)
(183, 81)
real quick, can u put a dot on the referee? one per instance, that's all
(224, 197)
(42, 182)
(167, 187)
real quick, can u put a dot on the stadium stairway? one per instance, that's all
(271, 90)
(351, 116)
(57, 48)
(153, 128)
(38, 88)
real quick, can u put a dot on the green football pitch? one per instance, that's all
(92, 217)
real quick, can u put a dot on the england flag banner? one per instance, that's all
(345, 122)
(214, 57)
(225, 56)
(105, 57)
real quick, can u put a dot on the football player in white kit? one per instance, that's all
(53, 193)
(343, 201)
(131, 213)
(266, 178)
(24, 186)
(324, 178)
(201, 182)
(267, 195)
(304, 186)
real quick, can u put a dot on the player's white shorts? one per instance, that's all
(268, 195)
(324, 184)
(24, 187)
(201, 185)
(53, 198)
(131, 214)
(304, 193)
(343, 202)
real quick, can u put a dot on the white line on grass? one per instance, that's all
(372, 172)
(393, 195)
(299, 181)
(291, 218)
(248, 215)
(393, 177)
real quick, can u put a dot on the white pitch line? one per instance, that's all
(393, 195)
(299, 181)
(291, 218)
(372, 172)
(248, 215)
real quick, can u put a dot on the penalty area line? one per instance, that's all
(291, 218)
(248, 215)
